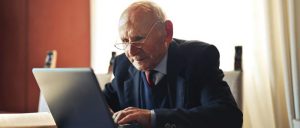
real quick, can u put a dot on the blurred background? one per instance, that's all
(83, 33)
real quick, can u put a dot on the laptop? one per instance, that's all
(74, 97)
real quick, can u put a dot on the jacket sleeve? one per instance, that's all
(110, 91)
(216, 108)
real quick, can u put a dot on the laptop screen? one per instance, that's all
(74, 97)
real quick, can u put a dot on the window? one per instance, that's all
(222, 23)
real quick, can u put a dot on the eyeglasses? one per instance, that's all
(138, 43)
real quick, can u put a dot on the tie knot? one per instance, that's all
(150, 77)
(150, 72)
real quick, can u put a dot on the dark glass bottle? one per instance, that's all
(111, 62)
(238, 58)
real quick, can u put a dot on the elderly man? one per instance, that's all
(161, 81)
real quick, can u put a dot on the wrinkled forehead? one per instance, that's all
(135, 21)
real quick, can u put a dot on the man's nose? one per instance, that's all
(132, 50)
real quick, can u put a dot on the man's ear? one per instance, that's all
(169, 31)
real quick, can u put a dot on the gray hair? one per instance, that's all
(147, 6)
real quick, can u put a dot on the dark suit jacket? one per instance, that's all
(198, 95)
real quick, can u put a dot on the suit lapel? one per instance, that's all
(132, 87)
(176, 83)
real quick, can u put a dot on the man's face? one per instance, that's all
(146, 40)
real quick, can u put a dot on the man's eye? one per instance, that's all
(125, 40)
(138, 38)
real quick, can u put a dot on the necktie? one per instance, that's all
(149, 77)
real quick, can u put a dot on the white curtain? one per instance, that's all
(271, 66)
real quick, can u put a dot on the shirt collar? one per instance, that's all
(162, 66)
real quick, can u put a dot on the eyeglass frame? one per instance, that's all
(138, 43)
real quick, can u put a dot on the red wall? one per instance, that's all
(13, 63)
(28, 29)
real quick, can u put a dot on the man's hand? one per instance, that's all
(132, 114)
